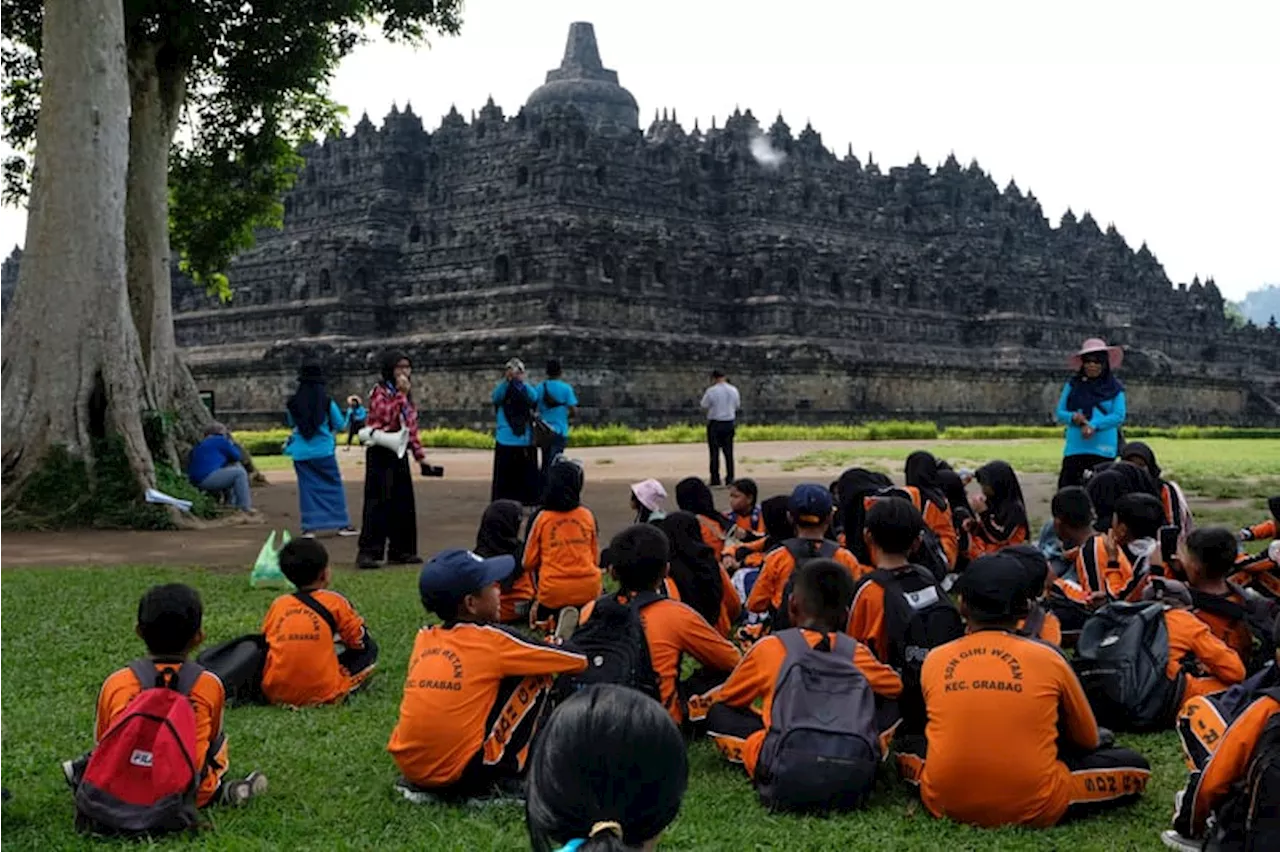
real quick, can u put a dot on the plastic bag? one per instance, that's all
(266, 570)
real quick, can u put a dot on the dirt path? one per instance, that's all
(448, 509)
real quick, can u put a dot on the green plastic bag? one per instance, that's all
(266, 570)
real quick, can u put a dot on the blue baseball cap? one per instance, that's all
(458, 572)
(810, 504)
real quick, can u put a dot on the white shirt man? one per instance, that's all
(721, 402)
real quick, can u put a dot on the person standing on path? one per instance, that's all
(515, 458)
(1092, 407)
(316, 422)
(390, 525)
(557, 404)
(721, 402)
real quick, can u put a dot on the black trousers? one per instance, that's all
(356, 660)
(390, 525)
(720, 439)
(352, 428)
(515, 475)
(1075, 467)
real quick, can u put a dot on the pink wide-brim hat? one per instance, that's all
(1096, 344)
(650, 493)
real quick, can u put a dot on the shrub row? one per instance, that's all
(271, 442)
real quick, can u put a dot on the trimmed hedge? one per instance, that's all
(271, 442)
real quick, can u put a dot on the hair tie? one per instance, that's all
(612, 827)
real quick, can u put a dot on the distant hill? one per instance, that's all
(1261, 305)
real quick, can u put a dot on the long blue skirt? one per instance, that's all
(320, 494)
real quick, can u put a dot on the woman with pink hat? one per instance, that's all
(647, 498)
(1092, 407)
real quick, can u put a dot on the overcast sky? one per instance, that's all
(1162, 117)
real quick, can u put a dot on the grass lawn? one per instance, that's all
(331, 779)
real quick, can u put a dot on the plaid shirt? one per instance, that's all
(389, 410)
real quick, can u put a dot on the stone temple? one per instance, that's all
(828, 289)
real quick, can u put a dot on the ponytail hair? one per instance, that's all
(607, 773)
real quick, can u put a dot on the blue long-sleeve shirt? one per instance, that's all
(1106, 421)
(504, 435)
(322, 443)
(213, 453)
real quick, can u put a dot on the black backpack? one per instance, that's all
(822, 747)
(1121, 660)
(1249, 818)
(918, 617)
(1259, 615)
(617, 652)
(803, 551)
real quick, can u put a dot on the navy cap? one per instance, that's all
(995, 587)
(460, 572)
(810, 504)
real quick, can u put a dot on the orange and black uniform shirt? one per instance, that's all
(767, 593)
(1228, 765)
(939, 520)
(672, 630)
(563, 557)
(730, 605)
(1264, 530)
(521, 592)
(208, 699)
(1189, 636)
(990, 537)
(1233, 631)
(748, 554)
(1095, 571)
(302, 664)
(1050, 628)
(1258, 570)
(712, 533)
(995, 703)
(866, 616)
(455, 673)
(752, 521)
(756, 678)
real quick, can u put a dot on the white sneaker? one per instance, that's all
(308, 534)
(236, 793)
(348, 532)
(1173, 840)
(567, 622)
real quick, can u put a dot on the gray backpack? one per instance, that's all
(822, 748)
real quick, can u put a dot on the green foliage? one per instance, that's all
(331, 777)
(60, 495)
(270, 442)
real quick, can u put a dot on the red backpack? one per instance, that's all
(143, 776)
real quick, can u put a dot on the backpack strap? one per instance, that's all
(319, 609)
(793, 641)
(1034, 622)
(188, 673)
(644, 599)
(801, 549)
(1089, 559)
(845, 645)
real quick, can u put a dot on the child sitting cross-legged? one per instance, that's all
(169, 623)
(1011, 739)
(475, 692)
(639, 556)
(819, 603)
(304, 665)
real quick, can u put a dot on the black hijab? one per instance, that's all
(854, 485)
(499, 535)
(389, 360)
(1107, 486)
(564, 487)
(1006, 509)
(957, 498)
(309, 405)
(777, 523)
(922, 474)
(1144, 452)
(1087, 393)
(693, 495)
(693, 565)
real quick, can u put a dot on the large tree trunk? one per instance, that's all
(157, 87)
(72, 366)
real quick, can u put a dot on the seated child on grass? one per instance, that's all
(1234, 778)
(700, 580)
(608, 773)
(810, 511)
(1113, 565)
(647, 499)
(170, 621)
(304, 665)
(475, 692)
(562, 550)
(1000, 514)
(1208, 556)
(1011, 739)
(1203, 662)
(1040, 623)
(745, 517)
(499, 535)
(819, 605)
(639, 556)
(693, 495)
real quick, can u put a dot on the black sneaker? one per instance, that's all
(367, 563)
(412, 559)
